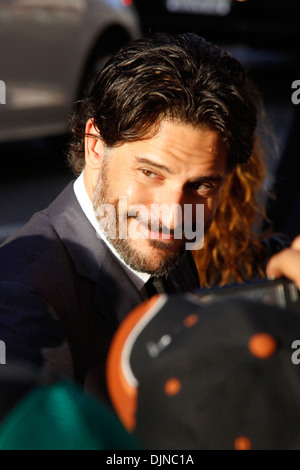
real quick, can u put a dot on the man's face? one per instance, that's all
(180, 167)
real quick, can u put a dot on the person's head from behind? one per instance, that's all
(166, 119)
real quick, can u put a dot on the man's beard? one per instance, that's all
(125, 246)
(143, 263)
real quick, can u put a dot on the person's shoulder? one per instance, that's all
(31, 246)
(38, 234)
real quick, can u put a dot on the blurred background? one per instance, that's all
(50, 50)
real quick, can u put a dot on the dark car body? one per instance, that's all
(267, 23)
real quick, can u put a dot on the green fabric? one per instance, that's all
(61, 417)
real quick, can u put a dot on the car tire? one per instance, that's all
(109, 43)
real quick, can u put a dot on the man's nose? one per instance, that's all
(170, 211)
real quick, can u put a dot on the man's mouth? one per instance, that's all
(156, 234)
(138, 229)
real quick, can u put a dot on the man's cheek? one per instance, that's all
(211, 207)
(194, 226)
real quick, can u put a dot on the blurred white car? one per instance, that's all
(49, 50)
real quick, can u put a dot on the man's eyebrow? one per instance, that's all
(148, 161)
(204, 179)
(201, 179)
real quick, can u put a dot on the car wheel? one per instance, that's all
(92, 72)
(107, 46)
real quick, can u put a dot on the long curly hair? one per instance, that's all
(233, 250)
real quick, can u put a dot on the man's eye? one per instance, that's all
(205, 188)
(148, 172)
(201, 186)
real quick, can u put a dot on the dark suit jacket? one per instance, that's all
(63, 293)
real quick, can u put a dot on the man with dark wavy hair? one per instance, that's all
(165, 121)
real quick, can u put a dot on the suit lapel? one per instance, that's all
(115, 293)
(115, 290)
(77, 234)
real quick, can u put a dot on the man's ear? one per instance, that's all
(93, 146)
